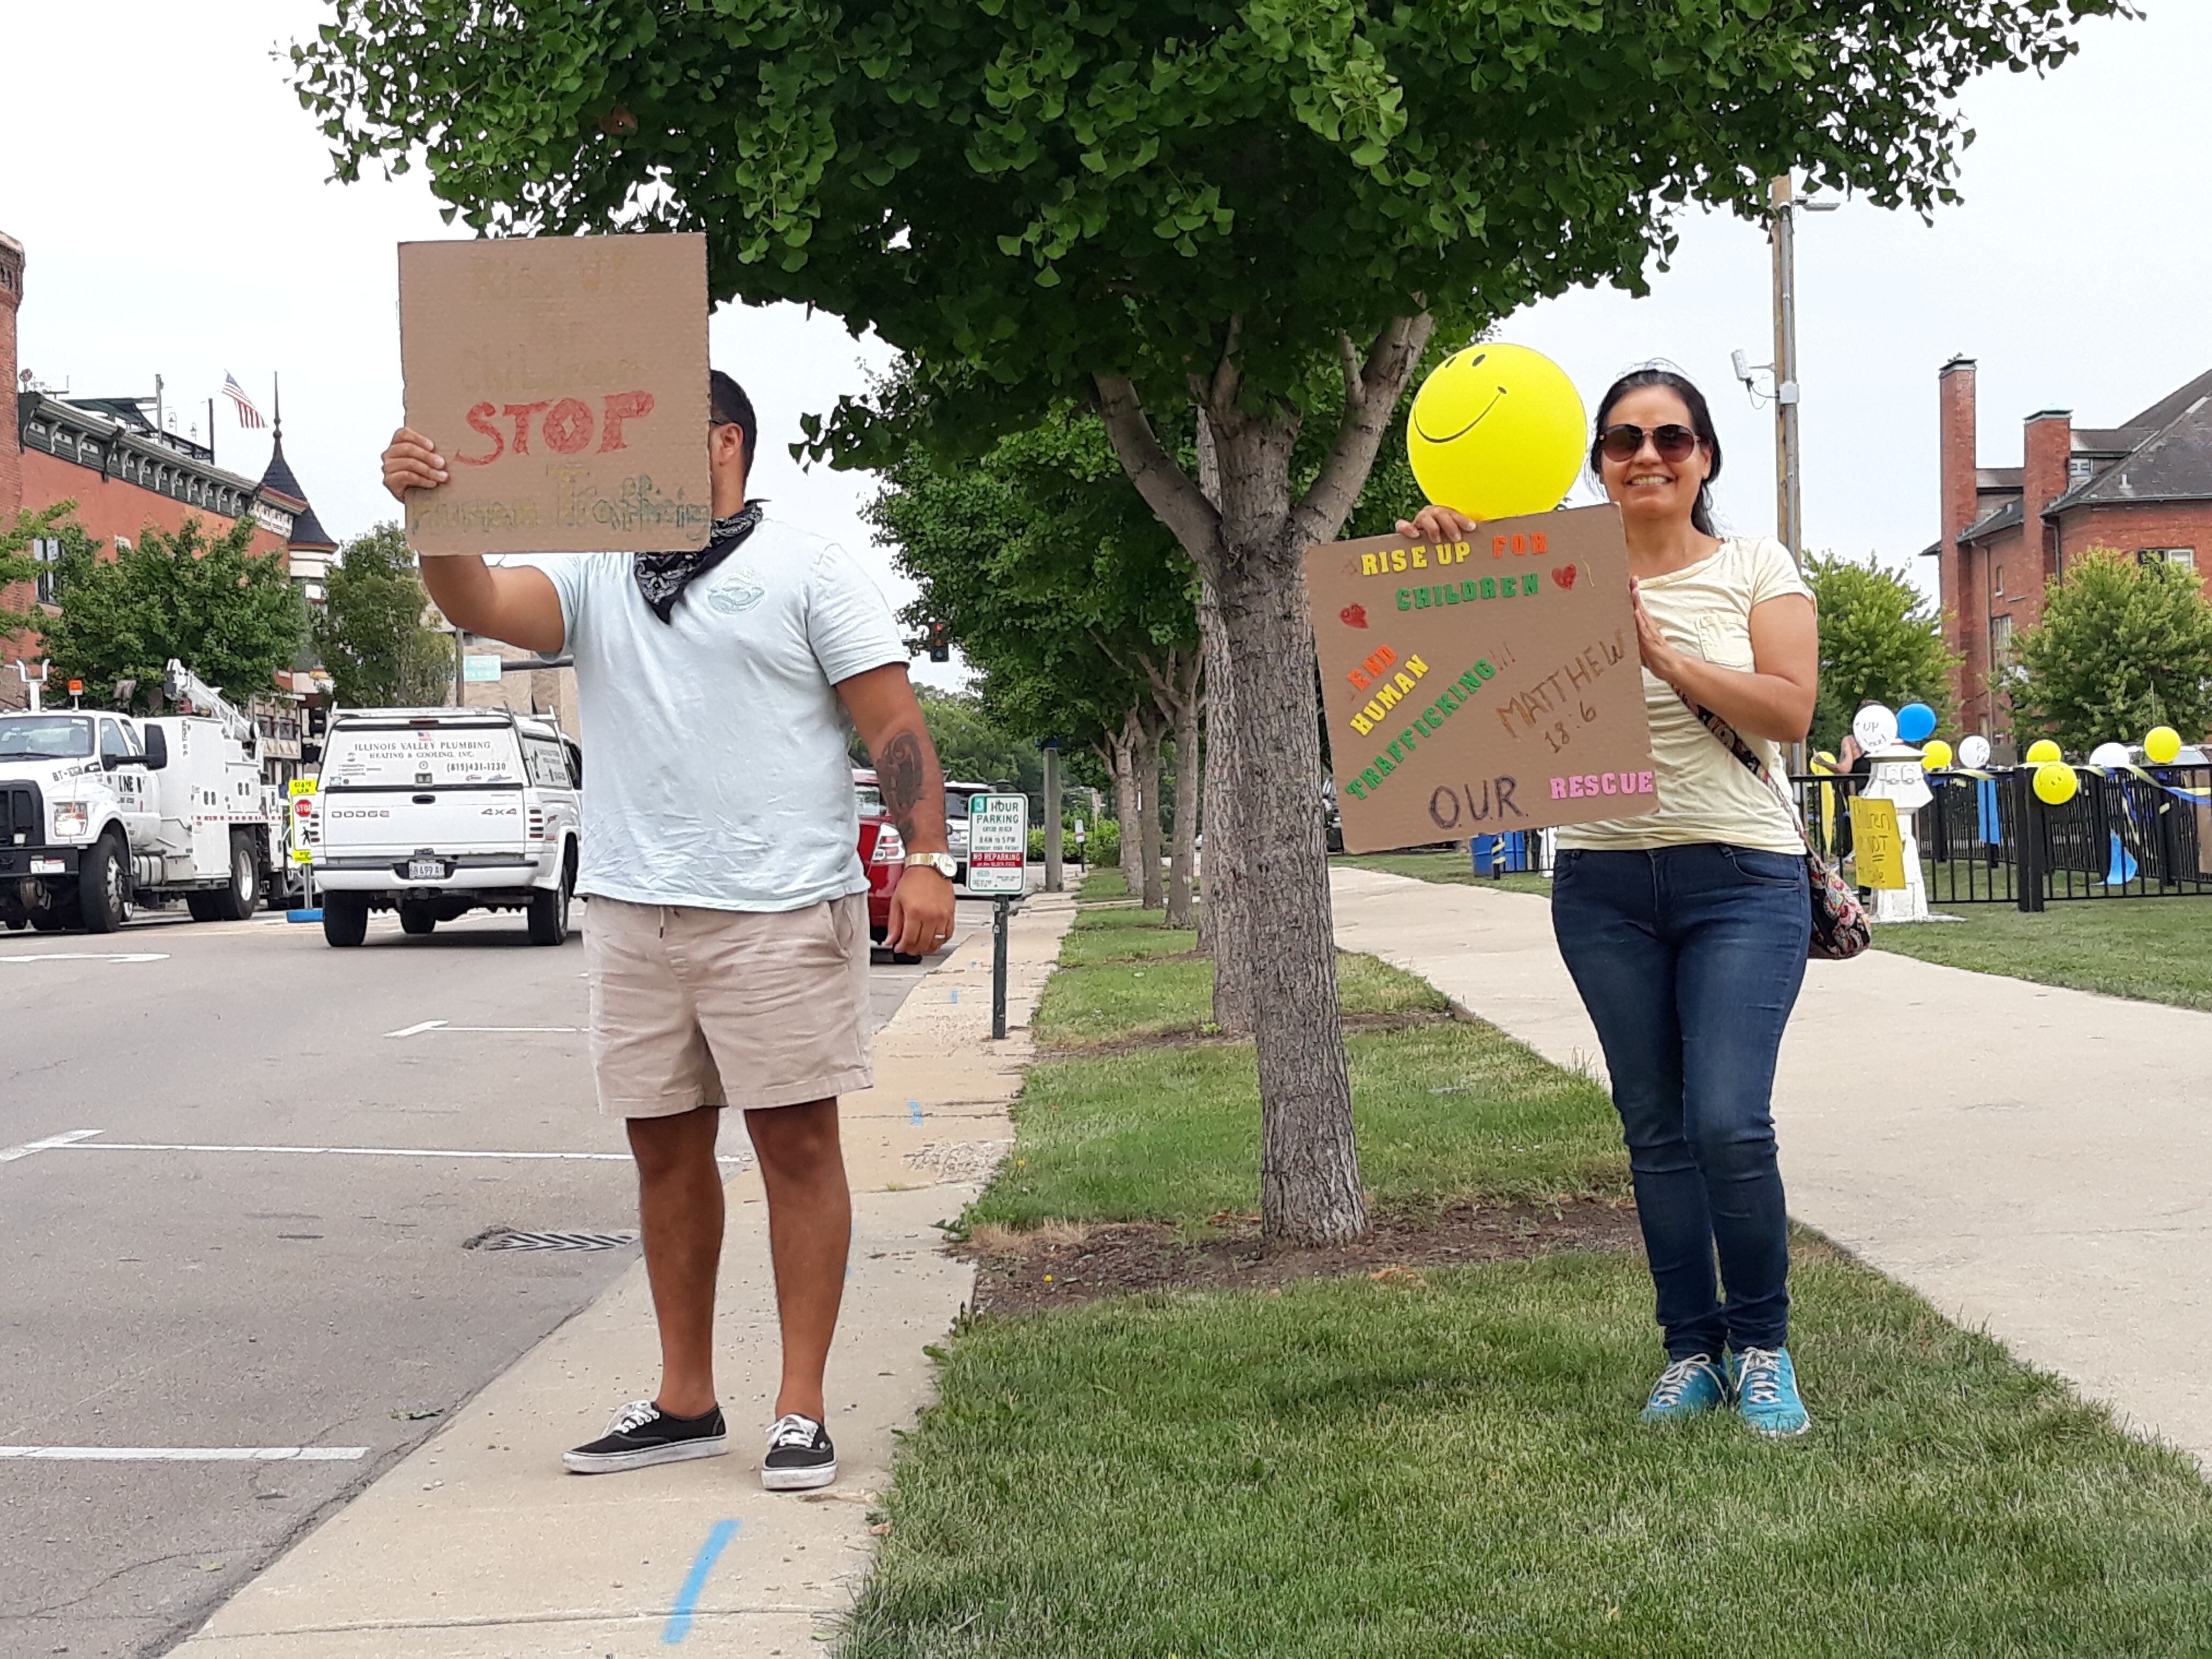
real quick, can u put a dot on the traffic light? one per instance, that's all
(940, 642)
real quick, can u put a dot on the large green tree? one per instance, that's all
(1168, 204)
(1881, 642)
(1058, 582)
(2123, 647)
(19, 569)
(231, 616)
(370, 630)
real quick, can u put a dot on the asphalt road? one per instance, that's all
(224, 1262)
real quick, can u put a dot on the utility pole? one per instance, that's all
(1789, 511)
(1052, 882)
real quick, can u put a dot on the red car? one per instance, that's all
(882, 854)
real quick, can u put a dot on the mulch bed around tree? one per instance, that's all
(1062, 1264)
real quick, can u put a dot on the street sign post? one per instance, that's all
(998, 868)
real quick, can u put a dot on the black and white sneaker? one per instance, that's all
(641, 1435)
(799, 1456)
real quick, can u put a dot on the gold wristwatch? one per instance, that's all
(944, 863)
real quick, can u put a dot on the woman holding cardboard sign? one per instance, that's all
(1686, 928)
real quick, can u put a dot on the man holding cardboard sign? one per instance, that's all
(728, 931)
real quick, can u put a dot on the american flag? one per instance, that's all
(248, 416)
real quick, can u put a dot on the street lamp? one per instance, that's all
(1782, 206)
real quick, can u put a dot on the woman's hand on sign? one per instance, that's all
(1437, 524)
(412, 461)
(1660, 657)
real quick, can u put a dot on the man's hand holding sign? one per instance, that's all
(718, 652)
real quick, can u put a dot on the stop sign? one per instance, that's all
(304, 807)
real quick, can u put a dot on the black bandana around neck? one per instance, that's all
(662, 577)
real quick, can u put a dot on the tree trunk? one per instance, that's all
(1052, 882)
(1249, 543)
(1183, 855)
(1222, 931)
(1148, 811)
(1125, 805)
(1224, 924)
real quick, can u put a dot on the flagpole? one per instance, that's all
(210, 431)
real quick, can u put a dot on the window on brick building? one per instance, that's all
(2166, 555)
(2000, 643)
(1996, 582)
(2080, 467)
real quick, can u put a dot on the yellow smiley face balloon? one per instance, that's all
(1496, 431)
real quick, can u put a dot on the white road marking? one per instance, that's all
(8, 1154)
(92, 956)
(526, 1030)
(186, 1453)
(77, 1146)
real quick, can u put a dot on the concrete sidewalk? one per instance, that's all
(480, 1547)
(2036, 1162)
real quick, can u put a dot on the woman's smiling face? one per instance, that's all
(1648, 487)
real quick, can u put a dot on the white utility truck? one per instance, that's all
(434, 812)
(100, 811)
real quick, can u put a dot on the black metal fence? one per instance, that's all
(1987, 839)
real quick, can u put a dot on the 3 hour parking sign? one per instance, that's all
(998, 843)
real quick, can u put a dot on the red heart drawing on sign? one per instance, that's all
(1564, 575)
(1353, 615)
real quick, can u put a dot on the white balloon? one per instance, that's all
(1974, 751)
(1875, 726)
(2110, 754)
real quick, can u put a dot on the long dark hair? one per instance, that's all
(1701, 422)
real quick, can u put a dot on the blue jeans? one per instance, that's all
(1689, 959)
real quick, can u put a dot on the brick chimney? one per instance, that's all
(11, 440)
(2046, 447)
(1960, 505)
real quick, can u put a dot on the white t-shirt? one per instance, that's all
(1706, 793)
(716, 772)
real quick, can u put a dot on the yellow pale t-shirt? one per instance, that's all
(1706, 793)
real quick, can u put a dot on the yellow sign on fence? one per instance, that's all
(1876, 843)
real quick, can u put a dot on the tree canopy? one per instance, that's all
(230, 616)
(1881, 642)
(2123, 647)
(370, 629)
(1045, 189)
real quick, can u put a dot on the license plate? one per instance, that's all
(48, 867)
(425, 870)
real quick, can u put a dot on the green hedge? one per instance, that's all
(1102, 846)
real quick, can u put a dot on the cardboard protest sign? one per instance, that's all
(564, 380)
(1484, 686)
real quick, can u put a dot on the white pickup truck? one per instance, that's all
(434, 812)
(100, 811)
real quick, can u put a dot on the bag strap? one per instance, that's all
(1733, 741)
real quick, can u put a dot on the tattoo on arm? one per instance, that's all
(902, 772)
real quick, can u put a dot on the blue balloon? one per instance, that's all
(1916, 722)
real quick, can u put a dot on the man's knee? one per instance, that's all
(799, 1140)
(666, 1147)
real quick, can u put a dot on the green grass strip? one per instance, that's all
(1449, 1464)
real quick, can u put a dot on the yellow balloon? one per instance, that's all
(2042, 749)
(1936, 754)
(2055, 783)
(1496, 431)
(2162, 746)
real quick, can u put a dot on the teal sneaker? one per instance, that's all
(1765, 1385)
(1686, 1388)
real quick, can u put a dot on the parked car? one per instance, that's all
(434, 812)
(883, 855)
(957, 792)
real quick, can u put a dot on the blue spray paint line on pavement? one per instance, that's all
(913, 1111)
(687, 1599)
(955, 993)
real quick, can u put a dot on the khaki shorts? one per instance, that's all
(686, 1001)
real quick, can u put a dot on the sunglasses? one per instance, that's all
(1625, 442)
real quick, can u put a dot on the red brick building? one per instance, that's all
(126, 474)
(2144, 486)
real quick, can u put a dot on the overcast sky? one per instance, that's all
(174, 200)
